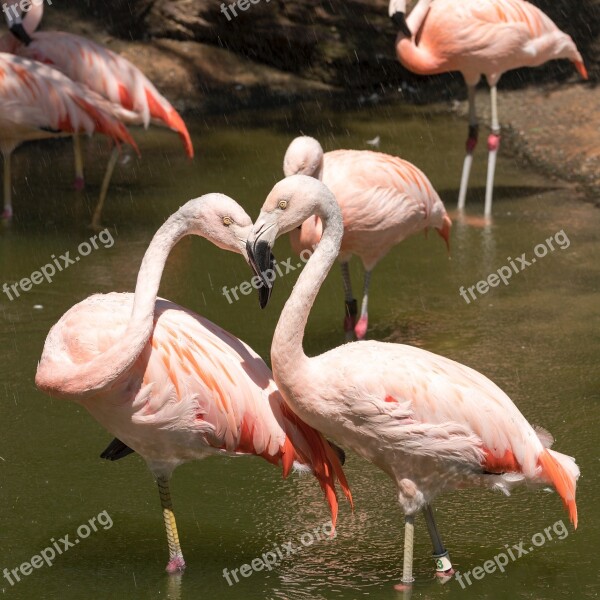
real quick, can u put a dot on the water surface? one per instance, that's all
(537, 338)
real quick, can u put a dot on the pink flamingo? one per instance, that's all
(103, 71)
(383, 199)
(172, 385)
(430, 423)
(478, 37)
(39, 102)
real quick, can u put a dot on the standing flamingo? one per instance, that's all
(170, 384)
(478, 37)
(383, 200)
(104, 72)
(39, 102)
(430, 423)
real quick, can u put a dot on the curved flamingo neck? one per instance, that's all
(92, 377)
(287, 353)
(33, 17)
(411, 55)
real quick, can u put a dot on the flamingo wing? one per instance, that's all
(39, 101)
(109, 75)
(377, 191)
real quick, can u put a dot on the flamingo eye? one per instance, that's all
(227, 221)
(283, 204)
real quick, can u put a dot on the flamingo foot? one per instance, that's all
(361, 327)
(79, 184)
(7, 214)
(403, 587)
(176, 565)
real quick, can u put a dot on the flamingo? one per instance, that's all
(430, 423)
(170, 384)
(478, 37)
(39, 102)
(103, 71)
(383, 199)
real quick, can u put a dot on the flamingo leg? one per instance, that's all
(443, 566)
(471, 144)
(7, 212)
(79, 178)
(493, 145)
(407, 567)
(363, 322)
(112, 163)
(176, 563)
(351, 308)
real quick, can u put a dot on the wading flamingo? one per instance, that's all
(170, 384)
(478, 37)
(103, 71)
(383, 199)
(38, 103)
(430, 423)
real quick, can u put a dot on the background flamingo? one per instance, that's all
(478, 37)
(173, 386)
(430, 423)
(383, 200)
(103, 71)
(39, 102)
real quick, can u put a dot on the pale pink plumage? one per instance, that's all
(478, 37)
(430, 423)
(482, 37)
(39, 102)
(102, 70)
(384, 199)
(172, 385)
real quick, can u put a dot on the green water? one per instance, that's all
(537, 337)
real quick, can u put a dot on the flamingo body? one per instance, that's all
(484, 37)
(172, 385)
(383, 200)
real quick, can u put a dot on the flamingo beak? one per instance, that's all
(260, 258)
(18, 30)
(399, 19)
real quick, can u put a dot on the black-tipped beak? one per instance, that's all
(262, 261)
(18, 30)
(399, 20)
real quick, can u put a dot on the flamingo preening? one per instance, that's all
(478, 37)
(38, 102)
(170, 384)
(430, 423)
(383, 200)
(113, 77)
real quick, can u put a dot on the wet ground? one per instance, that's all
(537, 337)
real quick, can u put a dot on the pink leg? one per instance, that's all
(79, 179)
(471, 145)
(7, 212)
(361, 327)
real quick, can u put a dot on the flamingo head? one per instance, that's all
(397, 12)
(304, 156)
(292, 201)
(219, 219)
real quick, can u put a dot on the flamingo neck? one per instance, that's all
(417, 16)
(287, 353)
(33, 17)
(80, 381)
